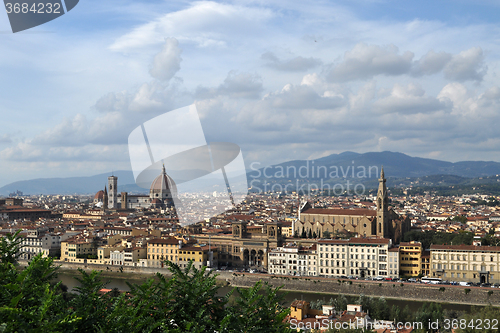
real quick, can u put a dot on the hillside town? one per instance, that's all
(274, 233)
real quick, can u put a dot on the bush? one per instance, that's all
(442, 289)
(466, 291)
(490, 292)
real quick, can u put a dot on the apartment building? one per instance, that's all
(466, 263)
(360, 257)
(394, 262)
(410, 258)
(293, 259)
(201, 255)
(333, 257)
(73, 249)
(161, 249)
(128, 257)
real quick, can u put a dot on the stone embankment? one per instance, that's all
(406, 291)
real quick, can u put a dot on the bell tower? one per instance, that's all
(382, 207)
(113, 192)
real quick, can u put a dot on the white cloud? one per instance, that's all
(431, 63)
(235, 85)
(296, 64)
(5, 138)
(409, 99)
(365, 61)
(204, 23)
(168, 61)
(467, 65)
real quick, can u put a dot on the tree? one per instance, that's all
(187, 301)
(309, 234)
(327, 234)
(340, 303)
(485, 315)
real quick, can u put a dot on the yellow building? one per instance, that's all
(200, 255)
(410, 258)
(74, 249)
(286, 228)
(104, 251)
(299, 309)
(466, 263)
(161, 249)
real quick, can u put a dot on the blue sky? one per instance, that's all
(283, 79)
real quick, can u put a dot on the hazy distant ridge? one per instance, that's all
(395, 165)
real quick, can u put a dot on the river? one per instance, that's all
(67, 278)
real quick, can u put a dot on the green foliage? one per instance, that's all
(429, 312)
(327, 234)
(340, 303)
(188, 301)
(29, 302)
(466, 291)
(258, 309)
(439, 238)
(485, 316)
(460, 218)
(10, 246)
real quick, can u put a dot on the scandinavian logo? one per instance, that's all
(176, 140)
(26, 14)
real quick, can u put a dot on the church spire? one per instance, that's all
(382, 206)
(105, 199)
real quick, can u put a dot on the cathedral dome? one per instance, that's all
(163, 186)
(99, 196)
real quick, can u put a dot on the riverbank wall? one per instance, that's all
(405, 291)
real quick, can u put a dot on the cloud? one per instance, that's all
(5, 139)
(467, 65)
(296, 64)
(365, 61)
(204, 23)
(431, 63)
(409, 99)
(235, 85)
(168, 61)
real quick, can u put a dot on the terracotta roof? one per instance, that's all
(350, 212)
(369, 240)
(466, 248)
(163, 241)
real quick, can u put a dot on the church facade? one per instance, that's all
(382, 222)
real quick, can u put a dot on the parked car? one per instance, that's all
(412, 280)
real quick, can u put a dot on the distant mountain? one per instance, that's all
(72, 185)
(395, 165)
(400, 169)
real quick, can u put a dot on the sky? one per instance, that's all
(284, 80)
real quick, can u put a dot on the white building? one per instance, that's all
(359, 257)
(293, 260)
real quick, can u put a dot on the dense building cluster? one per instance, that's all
(279, 233)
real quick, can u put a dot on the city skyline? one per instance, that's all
(281, 80)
